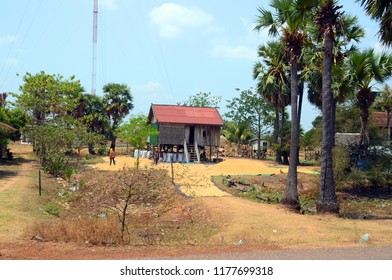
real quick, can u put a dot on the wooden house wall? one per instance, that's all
(207, 135)
(172, 134)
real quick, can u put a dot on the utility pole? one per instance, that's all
(95, 29)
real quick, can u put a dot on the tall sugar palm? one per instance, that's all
(381, 11)
(288, 20)
(118, 103)
(326, 18)
(272, 83)
(367, 68)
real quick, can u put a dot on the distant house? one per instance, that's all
(185, 131)
(381, 120)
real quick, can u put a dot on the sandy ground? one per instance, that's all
(194, 179)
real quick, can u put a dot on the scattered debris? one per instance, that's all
(239, 243)
(37, 238)
(364, 238)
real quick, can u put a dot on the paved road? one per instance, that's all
(352, 253)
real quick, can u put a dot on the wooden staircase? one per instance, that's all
(192, 153)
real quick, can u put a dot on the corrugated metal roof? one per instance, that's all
(186, 115)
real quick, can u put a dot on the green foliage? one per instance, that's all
(136, 131)
(68, 171)
(56, 142)
(48, 96)
(52, 209)
(118, 102)
(202, 99)
(341, 165)
(251, 108)
(239, 133)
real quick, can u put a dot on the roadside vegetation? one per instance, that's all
(316, 46)
(132, 206)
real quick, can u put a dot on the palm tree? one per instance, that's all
(326, 18)
(384, 102)
(348, 32)
(365, 68)
(91, 111)
(118, 103)
(239, 133)
(289, 19)
(381, 11)
(273, 83)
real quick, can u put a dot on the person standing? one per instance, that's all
(112, 155)
(156, 156)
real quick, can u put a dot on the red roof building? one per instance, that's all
(186, 115)
(185, 128)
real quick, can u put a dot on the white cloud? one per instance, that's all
(11, 61)
(172, 19)
(109, 4)
(235, 52)
(148, 87)
(7, 40)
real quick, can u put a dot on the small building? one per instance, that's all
(254, 145)
(380, 119)
(185, 131)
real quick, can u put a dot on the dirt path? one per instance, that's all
(25, 167)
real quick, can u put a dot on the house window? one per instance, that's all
(204, 133)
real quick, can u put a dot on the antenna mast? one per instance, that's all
(95, 28)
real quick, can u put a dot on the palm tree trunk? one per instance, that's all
(291, 192)
(278, 158)
(333, 120)
(389, 125)
(364, 139)
(327, 199)
(301, 95)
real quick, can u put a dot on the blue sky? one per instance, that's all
(165, 51)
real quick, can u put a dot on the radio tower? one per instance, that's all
(95, 28)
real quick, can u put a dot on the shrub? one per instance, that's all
(341, 164)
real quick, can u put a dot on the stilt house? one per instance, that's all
(185, 131)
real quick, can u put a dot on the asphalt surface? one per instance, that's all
(365, 252)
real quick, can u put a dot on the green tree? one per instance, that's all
(203, 99)
(381, 11)
(364, 68)
(136, 131)
(238, 132)
(45, 96)
(91, 112)
(12, 121)
(346, 34)
(289, 18)
(250, 108)
(326, 18)
(118, 102)
(272, 85)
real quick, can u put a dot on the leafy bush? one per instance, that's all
(341, 164)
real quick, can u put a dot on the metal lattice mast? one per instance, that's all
(95, 29)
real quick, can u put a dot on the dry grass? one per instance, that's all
(156, 214)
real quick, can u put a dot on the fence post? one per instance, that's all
(39, 182)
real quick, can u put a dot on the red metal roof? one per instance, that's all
(185, 115)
